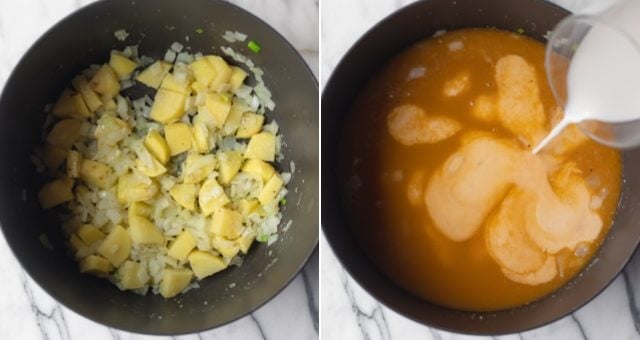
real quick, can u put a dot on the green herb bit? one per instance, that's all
(263, 238)
(520, 30)
(283, 201)
(254, 46)
(199, 30)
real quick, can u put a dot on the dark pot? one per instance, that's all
(396, 32)
(86, 37)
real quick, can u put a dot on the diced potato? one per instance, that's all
(247, 206)
(110, 129)
(91, 99)
(245, 241)
(109, 103)
(157, 146)
(168, 106)
(182, 246)
(211, 196)
(200, 137)
(218, 107)
(198, 87)
(89, 234)
(150, 167)
(116, 247)
(65, 133)
(229, 165)
(71, 105)
(178, 137)
(197, 167)
(227, 248)
(260, 168)
(143, 231)
(223, 72)
(233, 120)
(270, 190)
(53, 156)
(121, 65)
(226, 223)
(174, 281)
(139, 209)
(54, 193)
(96, 265)
(205, 264)
(78, 247)
(172, 83)
(74, 162)
(132, 188)
(105, 81)
(132, 275)
(261, 146)
(96, 173)
(185, 195)
(203, 71)
(250, 124)
(153, 75)
(238, 76)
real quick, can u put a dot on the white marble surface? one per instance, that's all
(348, 312)
(27, 312)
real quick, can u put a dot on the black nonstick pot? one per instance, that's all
(86, 37)
(393, 34)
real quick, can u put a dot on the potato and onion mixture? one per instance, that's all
(159, 192)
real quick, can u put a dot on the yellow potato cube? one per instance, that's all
(132, 275)
(250, 124)
(91, 98)
(270, 190)
(200, 137)
(229, 165)
(261, 146)
(54, 193)
(226, 248)
(111, 129)
(89, 234)
(71, 105)
(205, 264)
(238, 76)
(259, 168)
(247, 206)
(132, 188)
(172, 83)
(116, 247)
(197, 167)
(182, 246)
(153, 75)
(185, 195)
(143, 231)
(233, 121)
(178, 137)
(139, 209)
(95, 265)
(211, 196)
(245, 241)
(222, 72)
(150, 167)
(105, 81)
(203, 71)
(168, 106)
(74, 162)
(174, 281)
(78, 247)
(53, 156)
(65, 133)
(96, 173)
(121, 65)
(226, 223)
(218, 107)
(157, 146)
(109, 103)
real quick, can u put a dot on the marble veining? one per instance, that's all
(349, 312)
(27, 312)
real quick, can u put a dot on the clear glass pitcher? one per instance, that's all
(616, 31)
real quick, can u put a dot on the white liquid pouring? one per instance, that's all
(603, 82)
